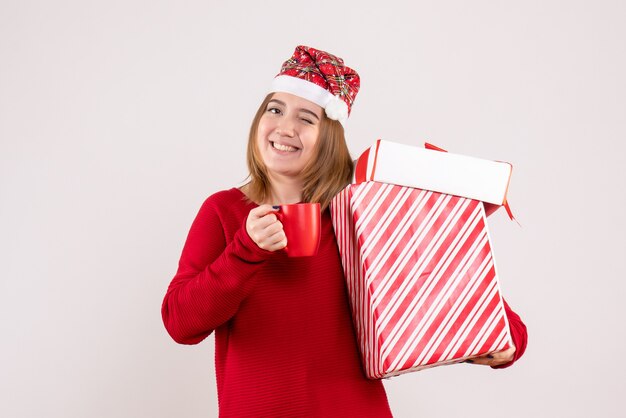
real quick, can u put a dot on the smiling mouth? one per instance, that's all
(281, 147)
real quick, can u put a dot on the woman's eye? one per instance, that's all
(308, 121)
(273, 110)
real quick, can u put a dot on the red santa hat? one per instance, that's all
(321, 78)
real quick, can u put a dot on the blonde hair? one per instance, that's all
(325, 175)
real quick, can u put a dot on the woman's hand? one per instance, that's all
(265, 229)
(494, 359)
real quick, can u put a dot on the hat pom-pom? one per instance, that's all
(337, 109)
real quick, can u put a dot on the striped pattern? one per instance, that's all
(421, 277)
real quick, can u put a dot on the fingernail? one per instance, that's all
(275, 207)
(489, 356)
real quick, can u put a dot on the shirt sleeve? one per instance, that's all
(213, 278)
(519, 335)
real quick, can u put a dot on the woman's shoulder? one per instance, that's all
(230, 198)
(230, 195)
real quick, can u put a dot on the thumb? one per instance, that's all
(263, 210)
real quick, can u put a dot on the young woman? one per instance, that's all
(285, 344)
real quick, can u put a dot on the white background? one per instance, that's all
(118, 118)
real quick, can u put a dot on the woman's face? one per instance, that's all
(287, 133)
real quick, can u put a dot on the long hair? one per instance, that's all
(325, 175)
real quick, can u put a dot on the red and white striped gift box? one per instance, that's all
(421, 277)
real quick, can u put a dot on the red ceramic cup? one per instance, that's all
(302, 226)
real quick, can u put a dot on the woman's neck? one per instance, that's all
(285, 191)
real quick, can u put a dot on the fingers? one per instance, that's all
(260, 212)
(482, 361)
(265, 229)
(494, 359)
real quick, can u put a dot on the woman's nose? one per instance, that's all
(285, 127)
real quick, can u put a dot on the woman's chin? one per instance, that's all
(284, 172)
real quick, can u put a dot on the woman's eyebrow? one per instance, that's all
(302, 109)
(310, 112)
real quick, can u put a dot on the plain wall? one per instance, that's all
(118, 118)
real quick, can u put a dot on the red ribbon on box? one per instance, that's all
(489, 207)
(360, 176)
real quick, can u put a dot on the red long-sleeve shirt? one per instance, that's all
(285, 344)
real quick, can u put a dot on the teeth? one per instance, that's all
(281, 147)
